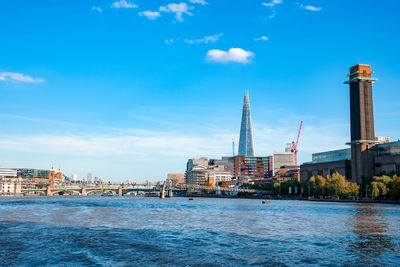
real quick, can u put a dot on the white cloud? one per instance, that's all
(232, 55)
(19, 77)
(178, 9)
(152, 15)
(206, 39)
(272, 3)
(169, 41)
(96, 8)
(123, 4)
(201, 2)
(311, 8)
(262, 38)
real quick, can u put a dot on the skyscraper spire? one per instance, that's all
(246, 138)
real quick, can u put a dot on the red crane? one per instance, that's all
(294, 145)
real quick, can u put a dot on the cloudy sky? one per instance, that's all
(132, 89)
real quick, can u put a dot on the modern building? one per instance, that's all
(7, 172)
(382, 139)
(330, 156)
(175, 178)
(191, 163)
(32, 173)
(89, 177)
(226, 163)
(255, 168)
(202, 170)
(282, 159)
(74, 177)
(388, 158)
(368, 155)
(246, 138)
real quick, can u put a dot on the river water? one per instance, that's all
(139, 231)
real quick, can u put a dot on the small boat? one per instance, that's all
(266, 202)
(191, 198)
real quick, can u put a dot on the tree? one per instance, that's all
(395, 192)
(208, 191)
(378, 189)
(223, 184)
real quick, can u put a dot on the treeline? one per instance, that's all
(384, 186)
(335, 185)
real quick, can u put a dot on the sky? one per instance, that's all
(132, 89)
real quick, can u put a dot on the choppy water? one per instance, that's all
(134, 231)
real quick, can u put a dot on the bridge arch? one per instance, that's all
(62, 192)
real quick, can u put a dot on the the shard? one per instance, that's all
(246, 138)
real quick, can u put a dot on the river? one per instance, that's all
(139, 231)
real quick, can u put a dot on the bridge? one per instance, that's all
(84, 191)
(120, 191)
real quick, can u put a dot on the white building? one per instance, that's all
(382, 139)
(283, 159)
(222, 176)
(7, 172)
(10, 185)
(74, 177)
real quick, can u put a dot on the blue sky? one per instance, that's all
(132, 89)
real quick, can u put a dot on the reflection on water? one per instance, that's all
(125, 231)
(371, 239)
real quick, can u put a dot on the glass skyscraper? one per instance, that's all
(246, 138)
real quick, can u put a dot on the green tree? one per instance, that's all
(378, 189)
(395, 192)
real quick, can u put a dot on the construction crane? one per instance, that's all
(293, 147)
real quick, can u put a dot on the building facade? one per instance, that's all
(246, 137)
(174, 179)
(32, 173)
(361, 122)
(10, 185)
(283, 159)
(226, 163)
(255, 168)
(368, 155)
(8, 172)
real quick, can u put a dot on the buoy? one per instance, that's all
(191, 198)
(266, 202)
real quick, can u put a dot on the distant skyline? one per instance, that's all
(132, 89)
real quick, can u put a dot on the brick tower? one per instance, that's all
(361, 122)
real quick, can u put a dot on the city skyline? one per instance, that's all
(132, 89)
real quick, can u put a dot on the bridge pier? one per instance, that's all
(48, 191)
(120, 191)
(83, 191)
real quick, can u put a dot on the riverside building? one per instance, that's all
(368, 155)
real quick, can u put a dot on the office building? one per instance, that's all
(254, 168)
(226, 163)
(32, 173)
(283, 159)
(174, 179)
(201, 171)
(7, 172)
(246, 138)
